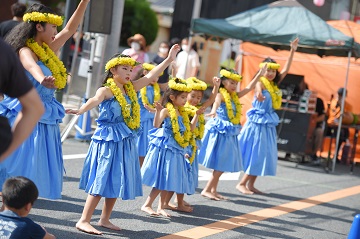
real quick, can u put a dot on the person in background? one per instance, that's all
(137, 51)
(230, 62)
(187, 61)
(160, 57)
(19, 196)
(17, 11)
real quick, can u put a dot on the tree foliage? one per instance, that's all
(138, 17)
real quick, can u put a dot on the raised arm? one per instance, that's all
(154, 73)
(71, 26)
(210, 101)
(285, 70)
(252, 83)
(101, 94)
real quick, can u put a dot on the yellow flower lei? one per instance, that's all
(144, 97)
(275, 92)
(133, 122)
(50, 59)
(270, 65)
(125, 61)
(230, 75)
(179, 85)
(187, 138)
(43, 17)
(234, 98)
(199, 130)
(196, 84)
(149, 67)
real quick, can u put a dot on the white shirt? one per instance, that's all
(192, 62)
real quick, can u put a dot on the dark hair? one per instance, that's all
(174, 41)
(18, 9)
(108, 73)
(20, 33)
(277, 78)
(222, 78)
(168, 92)
(167, 43)
(19, 191)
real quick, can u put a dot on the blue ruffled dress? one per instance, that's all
(165, 166)
(258, 138)
(111, 168)
(220, 148)
(147, 120)
(40, 157)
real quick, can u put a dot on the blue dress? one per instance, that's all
(39, 157)
(258, 138)
(111, 168)
(165, 166)
(147, 120)
(220, 148)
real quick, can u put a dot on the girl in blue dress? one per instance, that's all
(258, 140)
(37, 41)
(147, 97)
(111, 168)
(220, 150)
(166, 164)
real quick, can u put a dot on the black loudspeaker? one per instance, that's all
(296, 130)
(98, 16)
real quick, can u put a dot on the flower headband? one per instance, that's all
(124, 61)
(229, 75)
(43, 17)
(196, 84)
(270, 65)
(179, 85)
(149, 67)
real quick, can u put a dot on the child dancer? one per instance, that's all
(258, 137)
(192, 106)
(220, 149)
(111, 168)
(166, 167)
(36, 40)
(147, 97)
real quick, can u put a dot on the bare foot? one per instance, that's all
(244, 190)
(185, 203)
(210, 196)
(149, 211)
(170, 206)
(163, 213)
(86, 227)
(218, 195)
(108, 224)
(255, 190)
(184, 208)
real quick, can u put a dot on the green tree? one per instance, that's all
(138, 18)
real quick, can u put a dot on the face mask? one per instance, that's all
(185, 47)
(135, 46)
(163, 50)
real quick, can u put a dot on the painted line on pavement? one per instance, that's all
(260, 215)
(74, 156)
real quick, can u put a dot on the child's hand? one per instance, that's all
(150, 109)
(294, 44)
(263, 70)
(259, 96)
(158, 106)
(216, 81)
(72, 111)
(173, 52)
(48, 82)
(187, 156)
(200, 111)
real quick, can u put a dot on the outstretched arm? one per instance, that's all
(70, 27)
(252, 83)
(154, 73)
(285, 70)
(210, 101)
(101, 94)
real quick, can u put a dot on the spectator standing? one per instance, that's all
(17, 11)
(187, 61)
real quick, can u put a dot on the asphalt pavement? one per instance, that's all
(302, 201)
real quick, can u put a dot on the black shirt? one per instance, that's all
(6, 26)
(320, 110)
